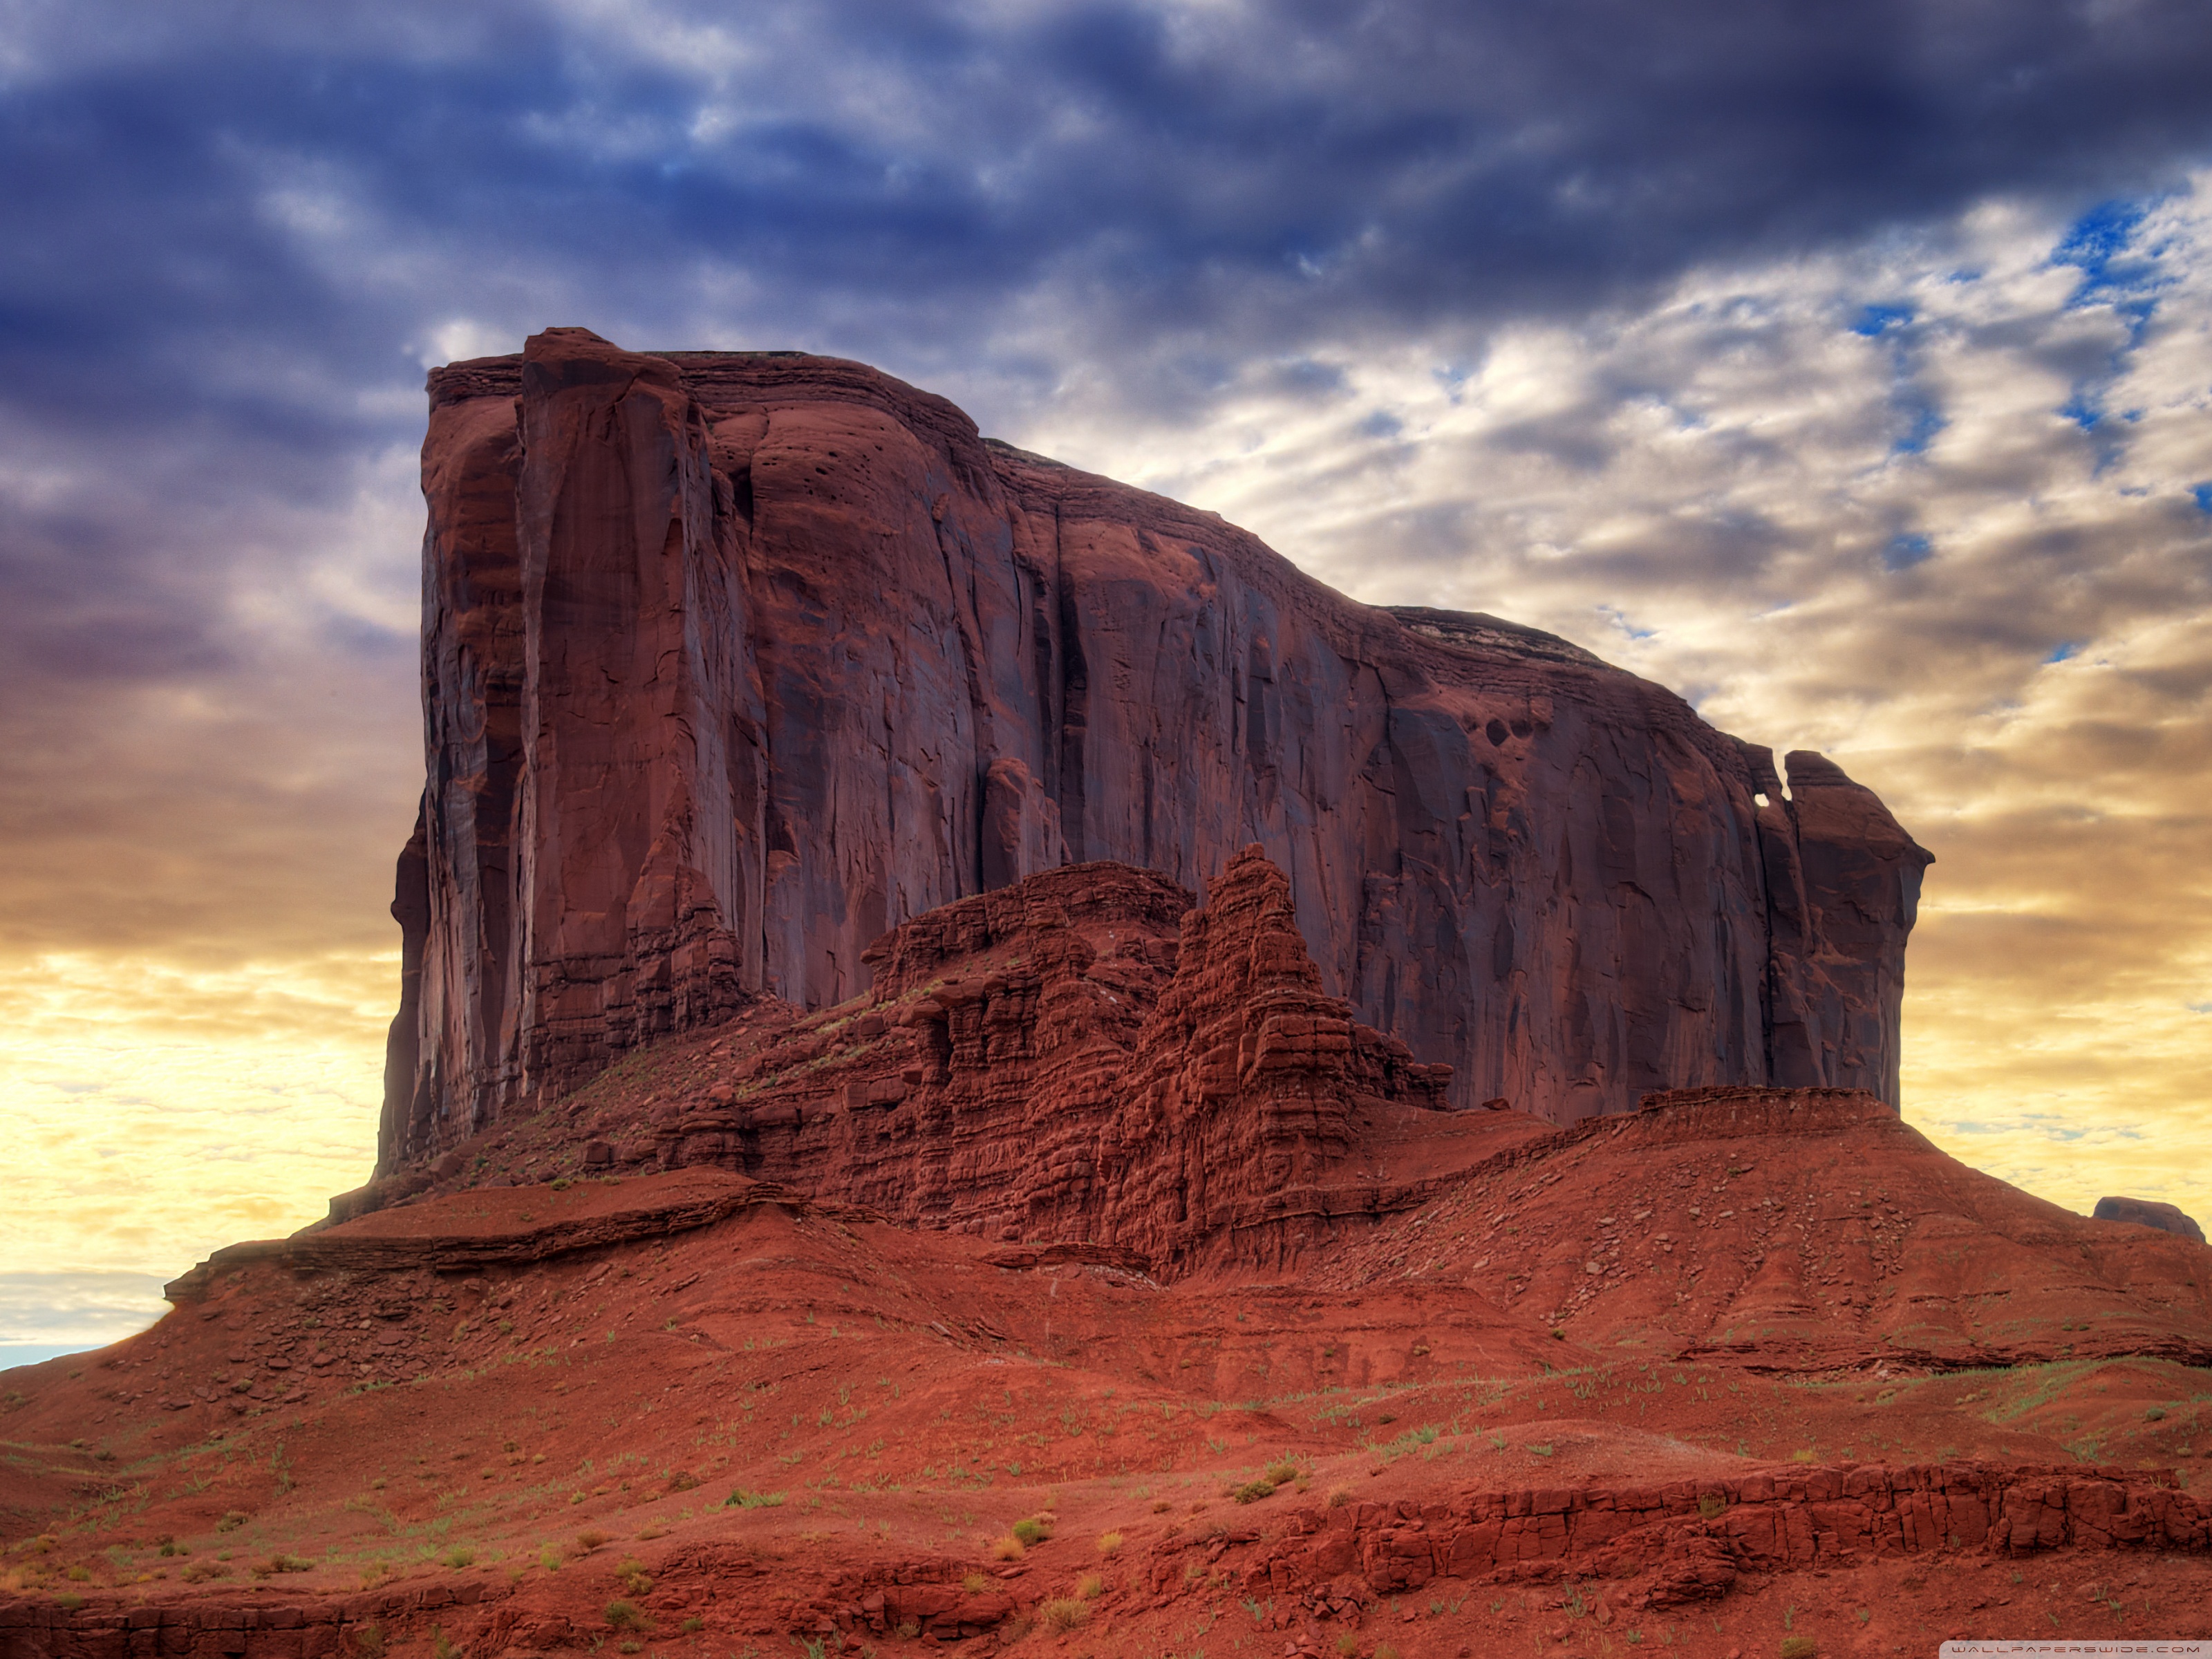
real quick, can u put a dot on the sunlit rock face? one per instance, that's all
(733, 662)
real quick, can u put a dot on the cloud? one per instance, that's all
(166, 1113)
(43, 1314)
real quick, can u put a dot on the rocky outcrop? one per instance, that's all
(2150, 1212)
(734, 661)
(1688, 1541)
(1081, 1058)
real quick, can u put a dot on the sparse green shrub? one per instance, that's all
(1109, 1543)
(368, 1640)
(232, 1521)
(1253, 1490)
(550, 1559)
(1710, 1506)
(1091, 1587)
(975, 1583)
(1800, 1647)
(2154, 1414)
(624, 1615)
(633, 1576)
(1031, 1532)
(440, 1646)
(692, 1625)
(1282, 1471)
(79, 1574)
(742, 1499)
(69, 1601)
(1384, 1650)
(461, 1556)
(1008, 1548)
(589, 1540)
(287, 1564)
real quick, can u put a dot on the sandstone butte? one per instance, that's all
(1100, 1260)
(733, 661)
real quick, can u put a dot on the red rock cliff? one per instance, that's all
(733, 662)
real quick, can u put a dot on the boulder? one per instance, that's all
(2149, 1213)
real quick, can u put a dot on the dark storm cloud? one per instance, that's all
(1252, 170)
(233, 234)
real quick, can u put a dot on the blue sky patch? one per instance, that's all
(1905, 551)
(2081, 409)
(1875, 320)
(2094, 241)
(1925, 424)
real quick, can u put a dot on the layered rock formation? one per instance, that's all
(734, 661)
(1083, 1058)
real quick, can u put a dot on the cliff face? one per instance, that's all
(734, 662)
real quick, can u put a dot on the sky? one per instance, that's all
(1844, 367)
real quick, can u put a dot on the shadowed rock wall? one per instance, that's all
(734, 661)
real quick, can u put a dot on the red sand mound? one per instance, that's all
(1806, 1232)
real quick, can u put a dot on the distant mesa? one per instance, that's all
(733, 663)
(2149, 1213)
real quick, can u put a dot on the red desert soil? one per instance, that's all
(694, 1413)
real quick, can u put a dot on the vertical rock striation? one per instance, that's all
(733, 662)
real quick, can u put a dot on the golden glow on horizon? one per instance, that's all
(155, 1114)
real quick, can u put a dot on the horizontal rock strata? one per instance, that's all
(1689, 1540)
(1657, 1547)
